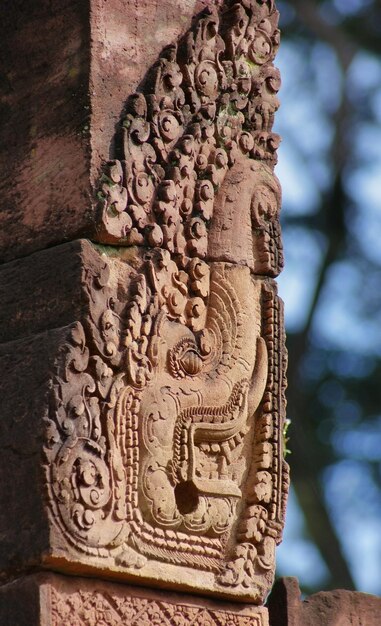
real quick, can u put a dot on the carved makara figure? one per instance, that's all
(164, 442)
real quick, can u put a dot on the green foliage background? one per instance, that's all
(330, 170)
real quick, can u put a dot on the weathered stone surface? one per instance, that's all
(195, 173)
(160, 399)
(26, 368)
(326, 608)
(66, 70)
(129, 445)
(52, 600)
(45, 290)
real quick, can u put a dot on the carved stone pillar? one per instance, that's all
(144, 373)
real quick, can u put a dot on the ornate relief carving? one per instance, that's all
(197, 138)
(101, 608)
(163, 443)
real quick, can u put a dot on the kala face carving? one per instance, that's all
(163, 443)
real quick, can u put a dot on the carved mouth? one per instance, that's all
(216, 429)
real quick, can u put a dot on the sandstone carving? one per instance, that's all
(164, 450)
(102, 606)
(71, 601)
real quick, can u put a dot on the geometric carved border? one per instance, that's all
(98, 607)
(55, 600)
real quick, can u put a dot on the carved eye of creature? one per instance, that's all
(184, 359)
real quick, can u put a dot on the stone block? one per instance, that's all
(53, 600)
(66, 70)
(325, 608)
(152, 415)
(140, 434)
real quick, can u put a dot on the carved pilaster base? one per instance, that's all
(50, 599)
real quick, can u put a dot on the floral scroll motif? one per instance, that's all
(163, 441)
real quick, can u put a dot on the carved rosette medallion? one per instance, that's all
(164, 450)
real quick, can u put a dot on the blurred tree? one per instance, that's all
(330, 170)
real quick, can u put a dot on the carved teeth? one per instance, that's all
(226, 451)
(223, 467)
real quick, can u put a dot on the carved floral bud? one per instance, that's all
(218, 167)
(143, 187)
(116, 197)
(173, 77)
(226, 134)
(273, 142)
(206, 79)
(169, 127)
(186, 171)
(78, 336)
(84, 518)
(195, 311)
(163, 259)
(176, 302)
(167, 191)
(139, 130)
(187, 145)
(139, 215)
(155, 236)
(199, 273)
(221, 159)
(205, 341)
(197, 243)
(76, 406)
(253, 527)
(103, 376)
(246, 142)
(205, 195)
(273, 80)
(109, 332)
(206, 191)
(187, 203)
(137, 105)
(244, 82)
(115, 171)
(112, 188)
(146, 324)
(201, 162)
(261, 49)
(87, 473)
